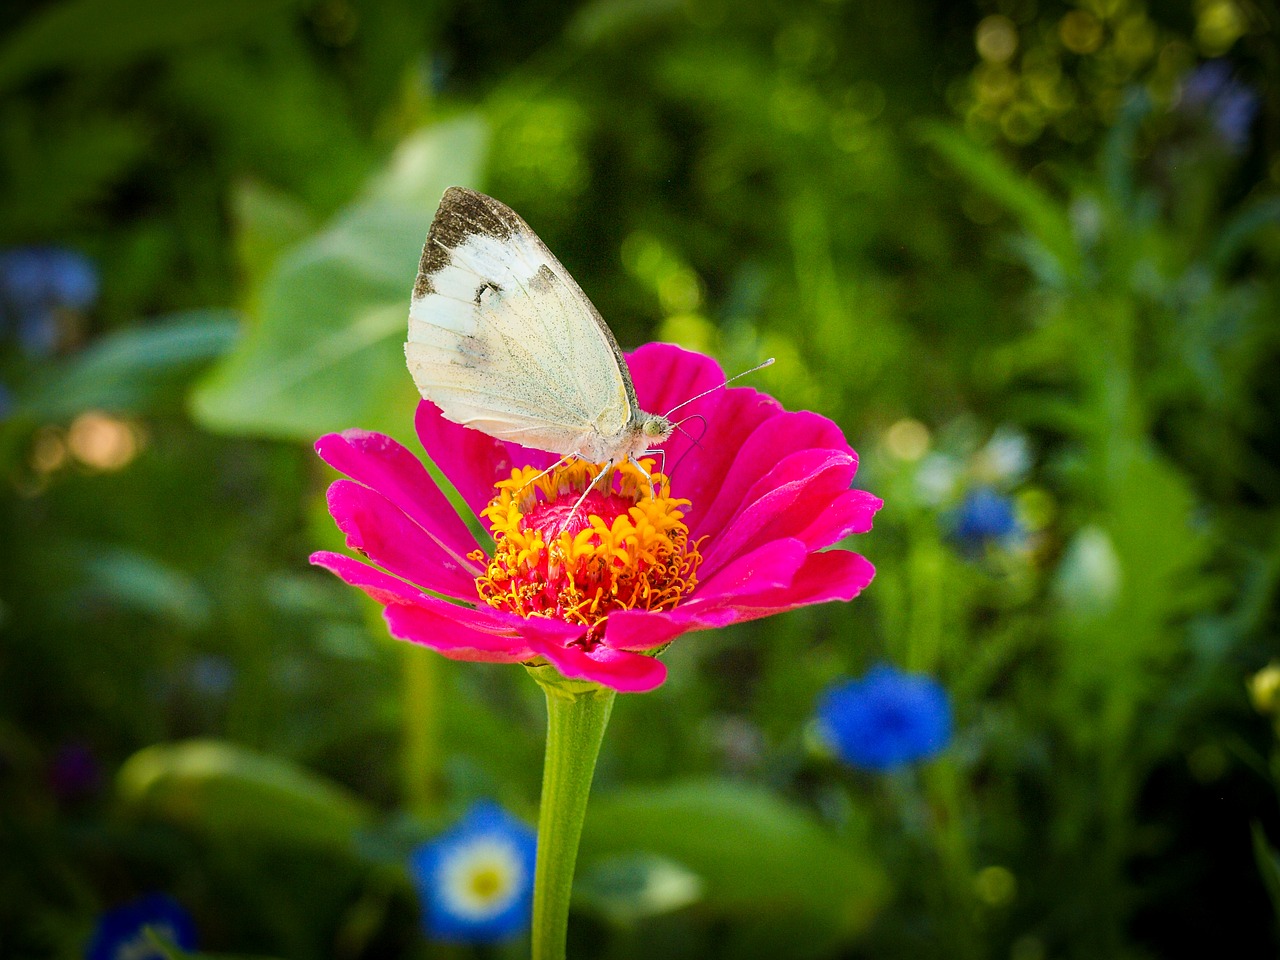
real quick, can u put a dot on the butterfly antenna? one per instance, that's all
(736, 376)
(692, 439)
(679, 425)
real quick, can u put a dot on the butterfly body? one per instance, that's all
(503, 340)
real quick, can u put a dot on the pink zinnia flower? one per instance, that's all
(596, 591)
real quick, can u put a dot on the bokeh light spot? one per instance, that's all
(995, 84)
(1080, 32)
(1021, 123)
(1135, 39)
(690, 330)
(796, 108)
(996, 38)
(1208, 762)
(102, 442)
(996, 886)
(907, 439)
(48, 450)
(1264, 688)
(680, 291)
(849, 131)
(1219, 24)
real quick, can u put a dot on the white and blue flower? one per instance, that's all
(123, 933)
(475, 880)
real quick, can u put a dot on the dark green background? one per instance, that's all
(1041, 242)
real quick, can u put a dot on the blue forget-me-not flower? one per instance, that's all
(121, 933)
(475, 880)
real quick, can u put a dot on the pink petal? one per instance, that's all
(382, 464)
(382, 587)
(852, 512)
(493, 637)
(625, 672)
(665, 375)
(733, 417)
(823, 577)
(769, 566)
(472, 461)
(456, 631)
(827, 576)
(793, 497)
(735, 472)
(642, 630)
(455, 638)
(380, 530)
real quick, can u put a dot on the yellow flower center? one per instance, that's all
(621, 548)
(487, 883)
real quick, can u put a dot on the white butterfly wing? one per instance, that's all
(503, 340)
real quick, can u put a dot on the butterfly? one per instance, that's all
(504, 341)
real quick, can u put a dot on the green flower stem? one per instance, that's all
(421, 758)
(577, 714)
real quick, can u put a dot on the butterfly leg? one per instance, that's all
(606, 472)
(534, 479)
(648, 476)
(662, 466)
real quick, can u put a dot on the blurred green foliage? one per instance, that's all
(1001, 243)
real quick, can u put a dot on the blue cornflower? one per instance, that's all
(1210, 91)
(886, 719)
(36, 283)
(985, 515)
(121, 933)
(475, 880)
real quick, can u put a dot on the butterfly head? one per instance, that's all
(643, 434)
(655, 429)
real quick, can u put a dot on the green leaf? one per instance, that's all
(98, 33)
(129, 371)
(268, 223)
(628, 888)
(1268, 866)
(1241, 229)
(606, 20)
(1041, 216)
(327, 349)
(755, 857)
(59, 163)
(134, 579)
(1120, 147)
(229, 791)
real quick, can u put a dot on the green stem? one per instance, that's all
(421, 759)
(577, 714)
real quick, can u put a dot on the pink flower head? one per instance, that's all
(597, 591)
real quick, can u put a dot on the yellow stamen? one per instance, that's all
(626, 547)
